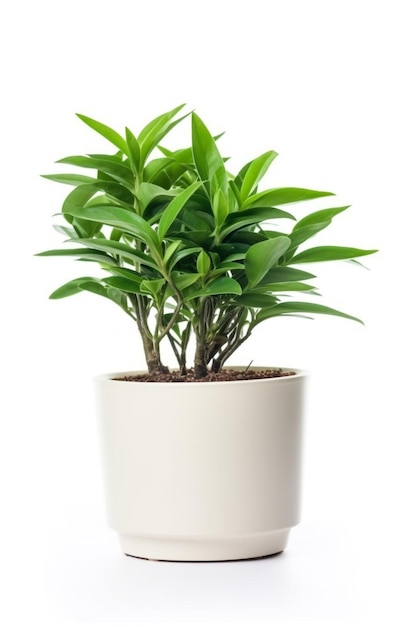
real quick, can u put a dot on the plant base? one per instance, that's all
(226, 548)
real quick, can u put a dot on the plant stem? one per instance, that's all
(237, 337)
(152, 355)
(204, 316)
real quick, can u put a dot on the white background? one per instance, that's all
(331, 87)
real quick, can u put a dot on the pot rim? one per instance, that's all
(299, 373)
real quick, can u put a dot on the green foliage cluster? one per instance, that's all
(192, 253)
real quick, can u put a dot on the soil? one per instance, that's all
(224, 375)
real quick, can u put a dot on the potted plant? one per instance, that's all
(201, 462)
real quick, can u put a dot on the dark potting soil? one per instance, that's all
(224, 375)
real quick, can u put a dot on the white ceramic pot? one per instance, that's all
(202, 471)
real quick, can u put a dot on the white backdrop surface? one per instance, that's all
(331, 87)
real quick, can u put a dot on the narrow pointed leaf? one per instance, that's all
(106, 132)
(280, 287)
(285, 308)
(68, 231)
(64, 252)
(170, 250)
(329, 253)
(70, 288)
(221, 286)
(283, 195)
(262, 256)
(285, 274)
(110, 293)
(174, 207)
(83, 254)
(182, 281)
(156, 130)
(120, 218)
(69, 179)
(207, 158)
(111, 166)
(182, 254)
(255, 300)
(325, 215)
(133, 150)
(78, 197)
(148, 192)
(301, 235)
(203, 263)
(119, 250)
(255, 172)
(156, 167)
(131, 275)
(239, 219)
(184, 155)
(95, 286)
(123, 284)
(220, 205)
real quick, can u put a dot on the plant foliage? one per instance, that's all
(192, 253)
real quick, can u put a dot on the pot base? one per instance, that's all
(233, 548)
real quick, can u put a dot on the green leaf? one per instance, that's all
(231, 265)
(255, 172)
(196, 237)
(65, 252)
(274, 287)
(182, 281)
(203, 263)
(301, 235)
(70, 288)
(207, 158)
(121, 218)
(184, 155)
(111, 190)
(69, 179)
(173, 208)
(108, 292)
(82, 253)
(239, 219)
(79, 196)
(283, 195)
(120, 250)
(285, 308)
(133, 151)
(153, 288)
(245, 238)
(68, 231)
(106, 132)
(95, 286)
(318, 217)
(148, 192)
(170, 250)
(131, 275)
(110, 165)
(285, 274)
(123, 284)
(256, 300)
(119, 298)
(220, 286)
(329, 253)
(155, 168)
(97, 257)
(220, 206)
(262, 256)
(156, 130)
(182, 254)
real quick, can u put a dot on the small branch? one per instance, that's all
(173, 343)
(236, 340)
